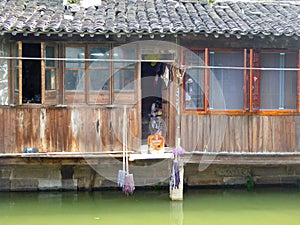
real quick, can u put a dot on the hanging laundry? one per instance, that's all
(166, 76)
(175, 175)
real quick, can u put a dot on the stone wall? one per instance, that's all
(84, 177)
(240, 174)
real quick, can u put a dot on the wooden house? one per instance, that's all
(68, 71)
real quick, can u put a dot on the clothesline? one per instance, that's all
(182, 66)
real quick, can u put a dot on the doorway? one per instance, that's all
(31, 73)
(155, 100)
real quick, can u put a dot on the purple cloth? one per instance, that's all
(175, 175)
(128, 187)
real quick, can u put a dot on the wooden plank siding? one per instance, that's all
(242, 134)
(60, 129)
(91, 129)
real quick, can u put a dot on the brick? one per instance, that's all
(24, 185)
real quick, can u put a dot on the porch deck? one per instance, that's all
(84, 158)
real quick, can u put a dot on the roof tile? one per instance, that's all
(163, 16)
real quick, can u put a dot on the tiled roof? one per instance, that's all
(151, 16)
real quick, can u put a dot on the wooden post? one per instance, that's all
(176, 193)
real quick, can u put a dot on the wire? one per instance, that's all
(146, 60)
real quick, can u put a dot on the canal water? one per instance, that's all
(203, 207)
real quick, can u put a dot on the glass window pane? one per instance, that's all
(50, 79)
(290, 90)
(227, 85)
(290, 81)
(278, 89)
(99, 80)
(100, 53)
(50, 53)
(75, 53)
(124, 79)
(124, 70)
(194, 80)
(269, 90)
(74, 80)
(124, 53)
(269, 81)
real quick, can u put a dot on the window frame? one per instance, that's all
(49, 96)
(98, 96)
(245, 78)
(207, 88)
(205, 85)
(255, 78)
(87, 96)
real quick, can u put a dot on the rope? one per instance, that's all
(124, 130)
(146, 60)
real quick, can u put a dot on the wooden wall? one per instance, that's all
(80, 129)
(99, 129)
(221, 133)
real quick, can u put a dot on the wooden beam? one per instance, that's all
(20, 73)
(243, 159)
(43, 73)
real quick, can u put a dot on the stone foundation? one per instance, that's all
(146, 174)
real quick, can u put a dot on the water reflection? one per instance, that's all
(176, 212)
(234, 207)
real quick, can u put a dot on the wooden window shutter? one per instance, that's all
(254, 81)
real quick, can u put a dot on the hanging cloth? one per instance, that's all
(175, 175)
(166, 76)
(128, 187)
(122, 173)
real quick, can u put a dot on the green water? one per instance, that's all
(203, 207)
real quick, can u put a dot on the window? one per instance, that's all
(194, 80)
(123, 70)
(278, 87)
(99, 70)
(93, 76)
(75, 69)
(50, 68)
(226, 84)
